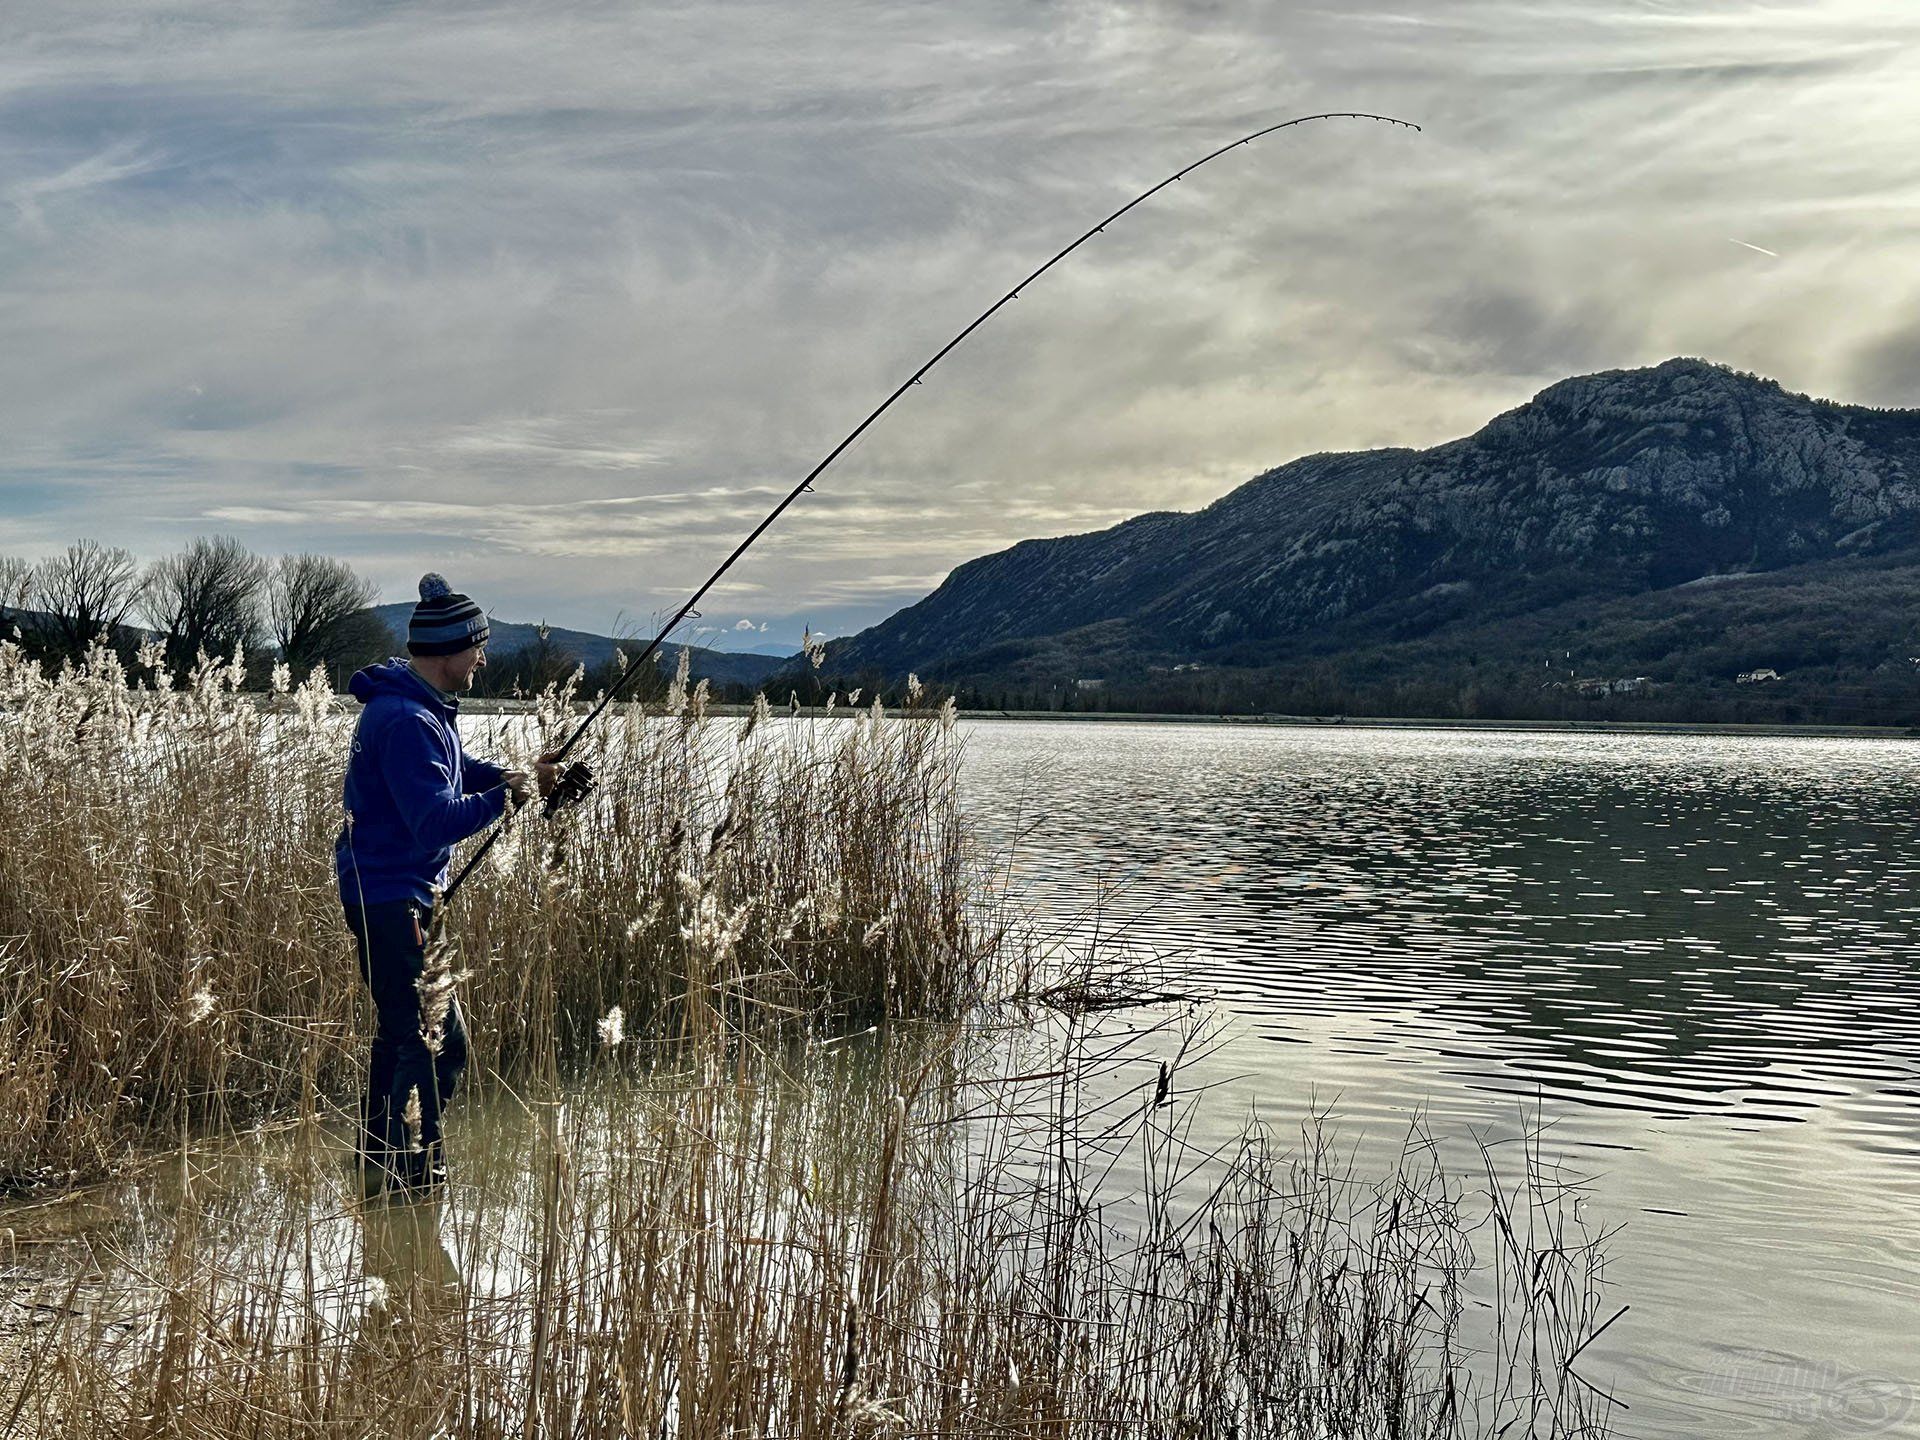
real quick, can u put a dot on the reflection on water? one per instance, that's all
(406, 1248)
(677, 1229)
(1693, 951)
(598, 1204)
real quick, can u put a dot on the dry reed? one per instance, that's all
(171, 947)
(743, 1225)
(932, 1233)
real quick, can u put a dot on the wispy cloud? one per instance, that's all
(122, 160)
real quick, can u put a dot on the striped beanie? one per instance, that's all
(445, 622)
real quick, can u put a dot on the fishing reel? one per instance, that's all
(576, 782)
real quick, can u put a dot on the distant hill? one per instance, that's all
(508, 636)
(781, 652)
(1678, 525)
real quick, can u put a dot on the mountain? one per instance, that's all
(508, 637)
(782, 652)
(1680, 523)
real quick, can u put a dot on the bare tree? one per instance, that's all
(16, 582)
(322, 614)
(83, 593)
(206, 600)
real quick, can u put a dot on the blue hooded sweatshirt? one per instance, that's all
(412, 793)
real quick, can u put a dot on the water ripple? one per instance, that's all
(1694, 952)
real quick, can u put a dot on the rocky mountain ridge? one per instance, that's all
(1601, 489)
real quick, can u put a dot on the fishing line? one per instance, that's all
(638, 662)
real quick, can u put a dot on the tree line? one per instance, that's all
(209, 599)
(215, 597)
(1812, 696)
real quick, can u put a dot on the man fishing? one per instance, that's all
(412, 793)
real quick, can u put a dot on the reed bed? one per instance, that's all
(171, 948)
(933, 1232)
(692, 1196)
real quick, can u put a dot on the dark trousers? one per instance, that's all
(401, 1148)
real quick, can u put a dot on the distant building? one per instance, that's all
(1186, 665)
(1596, 685)
(1755, 677)
(1088, 684)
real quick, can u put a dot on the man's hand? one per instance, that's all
(546, 772)
(522, 787)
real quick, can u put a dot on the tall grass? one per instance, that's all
(171, 947)
(939, 1234)
(711, 1216)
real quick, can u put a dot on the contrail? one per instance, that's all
(1761, 248)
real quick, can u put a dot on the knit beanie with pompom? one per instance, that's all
(445, 622)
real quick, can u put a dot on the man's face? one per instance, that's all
(461, 668)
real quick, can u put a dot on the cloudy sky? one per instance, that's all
(559, 298)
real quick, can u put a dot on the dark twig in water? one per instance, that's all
(1077, 997)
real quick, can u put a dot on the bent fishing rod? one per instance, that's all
(635, 665)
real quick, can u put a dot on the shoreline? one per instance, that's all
(483, 707)
(1395, 722)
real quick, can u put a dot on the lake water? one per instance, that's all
(1693, 954)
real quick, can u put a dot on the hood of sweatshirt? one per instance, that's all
(397, 677)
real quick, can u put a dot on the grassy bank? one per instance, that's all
(171, 947)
